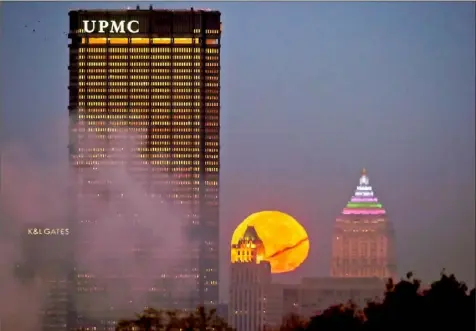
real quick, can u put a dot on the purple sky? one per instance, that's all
(311, 93)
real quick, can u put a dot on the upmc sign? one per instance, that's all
(103, 26)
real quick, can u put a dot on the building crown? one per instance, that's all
(250, 247)
(364, 201)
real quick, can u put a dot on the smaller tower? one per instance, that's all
(250, 281)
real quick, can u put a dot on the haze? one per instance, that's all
(311, 93)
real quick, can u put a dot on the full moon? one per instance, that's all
(284, 239)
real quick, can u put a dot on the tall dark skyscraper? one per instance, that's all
(154, 74)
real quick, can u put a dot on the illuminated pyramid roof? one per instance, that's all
(364, 201)
(251, 234)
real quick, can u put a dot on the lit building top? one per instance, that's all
(364, 201)
(250, 248)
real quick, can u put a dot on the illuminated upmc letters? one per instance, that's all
(111, 26)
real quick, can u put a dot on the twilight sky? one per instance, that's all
(311, 93)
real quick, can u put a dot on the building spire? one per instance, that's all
(364, 179)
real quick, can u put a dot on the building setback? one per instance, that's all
(154, 74)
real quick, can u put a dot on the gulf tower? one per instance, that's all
(363, 243)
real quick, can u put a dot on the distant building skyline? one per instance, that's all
(257, 303)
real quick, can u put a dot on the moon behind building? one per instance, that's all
(285, 241)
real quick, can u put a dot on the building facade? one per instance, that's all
(364, 241)
(154, 75)
(250, 282)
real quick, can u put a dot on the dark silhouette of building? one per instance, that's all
(45, 266)
(155, 74)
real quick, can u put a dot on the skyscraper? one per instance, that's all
(250, 283)
(154, 74)
(364, 239)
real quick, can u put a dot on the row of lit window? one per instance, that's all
(211, 139)
(147, 77)
(173, 90)
(142, 103)
(124, 83)
(144, 97)
(166, 113)
(168, 182)
(168, 149)
(190, 49)
(146, 117)
(124, 120)
(156, 174)
(146, 103)
(164, 153)
(147, 42)
(168, 137)
(160, 155)
(152, 156)
(172, 97)
(164, 149)
(88, 194)
(125, 113)
(139, 90)
(211, 31)
(147, 57)
(140, 70)
(153, 162)
(146, 123)
(154, 83)
(113, 129)
(147, 64)
(119, 122)
(165, 146)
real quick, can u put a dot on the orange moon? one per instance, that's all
(285, 240)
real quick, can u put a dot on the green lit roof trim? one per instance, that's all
(364, 205)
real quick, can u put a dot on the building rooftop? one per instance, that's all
(251, 234)
(364, 201)
(143, 10)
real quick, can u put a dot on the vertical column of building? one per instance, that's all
(208, 119)
(73, 88)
